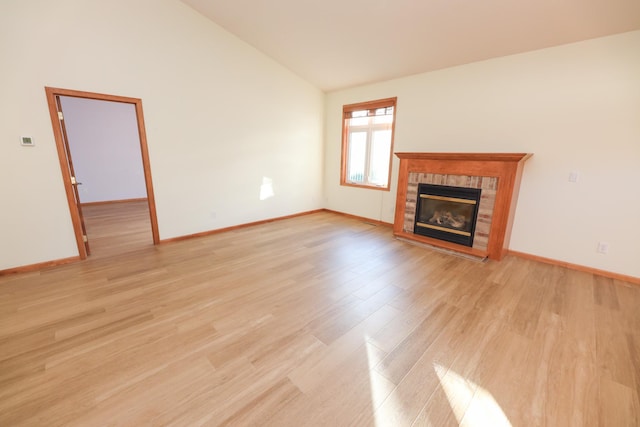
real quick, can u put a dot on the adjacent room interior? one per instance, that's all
(279, 214)
(106, 157)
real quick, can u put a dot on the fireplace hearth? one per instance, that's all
(447, 213)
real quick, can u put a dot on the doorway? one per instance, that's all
(56, 98)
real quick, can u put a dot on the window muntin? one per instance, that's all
(367, 143)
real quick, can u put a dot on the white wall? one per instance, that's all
(220, 117)
(576, 107)
(105, 148)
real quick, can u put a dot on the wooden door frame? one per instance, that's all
(51, 93)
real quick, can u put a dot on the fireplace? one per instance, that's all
(497, 175)
(447, 213)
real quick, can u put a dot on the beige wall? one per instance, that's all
(220, 117)
(576, 107)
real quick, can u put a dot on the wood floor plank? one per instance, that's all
(314, 320)
(396, 365)
(419, 385)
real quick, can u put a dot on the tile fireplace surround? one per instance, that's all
(497, 174)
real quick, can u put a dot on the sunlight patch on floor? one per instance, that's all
(472, 405)
(383, 402)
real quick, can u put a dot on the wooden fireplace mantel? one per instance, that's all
(507, 167)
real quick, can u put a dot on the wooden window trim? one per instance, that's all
(369, 105)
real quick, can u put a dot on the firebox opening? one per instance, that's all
(447, 213)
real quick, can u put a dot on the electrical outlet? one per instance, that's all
(574, 176)
(603, 248)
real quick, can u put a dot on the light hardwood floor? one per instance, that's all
(318, 320)
(116, 228)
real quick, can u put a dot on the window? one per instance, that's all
(367, 143)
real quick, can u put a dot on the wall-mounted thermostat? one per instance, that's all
(27, 141)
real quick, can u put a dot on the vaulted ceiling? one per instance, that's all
(336, 44)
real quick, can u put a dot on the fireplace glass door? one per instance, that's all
(447, 213)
